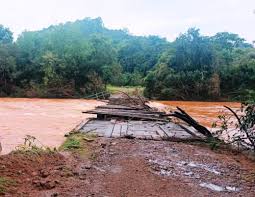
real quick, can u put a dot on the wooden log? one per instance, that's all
(181, 114)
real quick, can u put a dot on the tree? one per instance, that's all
(214, 86)
(140, 54)
(82, 57)
(5, 35)
(7, 70)
(193, 52)
(229, 41)
(204, 68)
(51, 69)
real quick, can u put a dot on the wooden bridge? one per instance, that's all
(136, 121)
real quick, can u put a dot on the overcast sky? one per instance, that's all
(166, 18)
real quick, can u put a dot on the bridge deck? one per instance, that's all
(152, 130)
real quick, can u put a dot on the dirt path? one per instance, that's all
(123, 167)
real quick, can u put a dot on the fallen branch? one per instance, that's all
(234, 113)
(184, 116)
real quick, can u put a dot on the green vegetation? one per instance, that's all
(32, 146)
(244, 136)
(77, 142)
(5, 183)
(80, 58)
(197, 67)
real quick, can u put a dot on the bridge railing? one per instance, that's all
(98, 95)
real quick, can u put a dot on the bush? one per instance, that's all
(244, 133)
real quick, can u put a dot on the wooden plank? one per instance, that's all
(97, 125)
(104, 128)
(160, 132)
(129, 131)
(119, 107)
(138, 129)
(141, 137)
(124, 129)
(137, 132)
(157, 137)
(128, 109)
(116, 130)
(104, 108)
(175, 131)
(108, 132)
(148, 137)
(140, 116)
(160, 127)
(109, 111)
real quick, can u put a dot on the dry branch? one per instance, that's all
(184, 116)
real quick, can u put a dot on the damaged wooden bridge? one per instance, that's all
(133, 118)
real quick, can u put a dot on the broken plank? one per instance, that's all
(140, 116)
(160, 132)
(162, 129)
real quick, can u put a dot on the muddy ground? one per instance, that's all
(126, 167)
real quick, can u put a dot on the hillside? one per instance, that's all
(78, 58)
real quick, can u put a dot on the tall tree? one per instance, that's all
(5, 35)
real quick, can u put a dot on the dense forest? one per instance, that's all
(79, 58)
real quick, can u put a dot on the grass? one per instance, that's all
(5, 183)
(34, 150)
(131, 90)
(216, 144)
(30, 147)
(77, 142)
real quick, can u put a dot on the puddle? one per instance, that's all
(212, 187)
(218, 188)
(205, 167)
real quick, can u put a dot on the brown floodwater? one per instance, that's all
(49, 119)
(46, 119)
(204, 112)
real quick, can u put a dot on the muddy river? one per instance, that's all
(46, 119)
(204, 112)
(49, 119)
